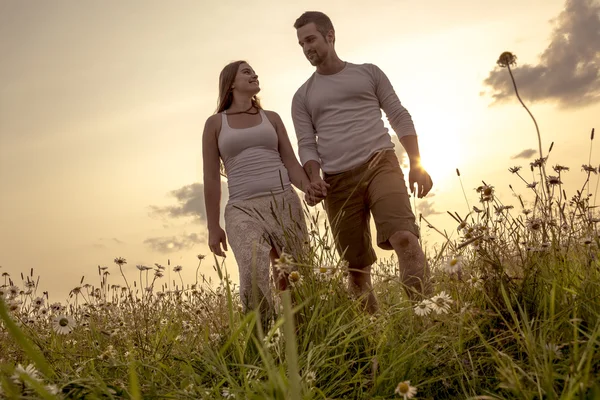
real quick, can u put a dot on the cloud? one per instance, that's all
(190, 203)
(426, 208)
(103, 245)
(524, 154)
(568, 70)
(173, 243)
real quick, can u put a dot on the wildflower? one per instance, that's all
(589, 169)
(14, 304)
(475, 280)
(538, 162)
(14, 291)
(534, 224)
(158, 274)
(461, 226)
(142, 267)
(423, 308)
(554, 180)
(177, 268)
(38, 302)
(453, 264)
(120, 261)
(441, 303)
(526, 211)
(554, 349)
(405, 390)
(52, 389)
(201, 257)
(485, 190)
(310, 378)
(63, 324)
(514, 170)
(56, 307)
(108, 354)
(284, 259)
(29, 371)
(560, 168)
(507, 59)
(295, 278)
(532, 185)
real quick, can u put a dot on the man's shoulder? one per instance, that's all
(303, 89)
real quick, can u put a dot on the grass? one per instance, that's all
(516, 315)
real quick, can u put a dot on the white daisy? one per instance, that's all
(405, 390)
(423, 308)
(441, 303)
(30, 371)
(63, 324)
(453, 264)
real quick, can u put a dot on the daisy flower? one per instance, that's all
(423, 308)
(38, 302)
(295, 278)
(453, 264)
(441, 303)
(30, 371)
(405, 390)
(475, 280)
(63, 324)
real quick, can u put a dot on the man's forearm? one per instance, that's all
(411, 145)
(313, 170)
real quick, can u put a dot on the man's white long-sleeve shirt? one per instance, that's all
(338, 118)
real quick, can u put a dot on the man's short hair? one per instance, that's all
(322, 21)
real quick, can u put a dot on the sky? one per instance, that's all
(102, 106)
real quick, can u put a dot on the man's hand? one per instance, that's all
(419, 176)
(316, 191)
(216, 238)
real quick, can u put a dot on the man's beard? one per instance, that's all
(315, 60)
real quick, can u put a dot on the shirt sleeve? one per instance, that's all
(305, 131)
(398, 117)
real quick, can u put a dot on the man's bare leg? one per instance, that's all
(413, 266)
(359, 285)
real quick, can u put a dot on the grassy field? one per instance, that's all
(515, 315)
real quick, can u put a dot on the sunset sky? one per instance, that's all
(102, 105)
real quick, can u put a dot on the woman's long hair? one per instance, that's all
(226, 79)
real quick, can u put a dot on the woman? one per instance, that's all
(263, 216)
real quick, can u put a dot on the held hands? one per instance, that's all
(419, 176)
(316, 191)
(216, 238)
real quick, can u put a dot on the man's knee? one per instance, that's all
(403, 239)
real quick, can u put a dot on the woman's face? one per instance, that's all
(246, 80)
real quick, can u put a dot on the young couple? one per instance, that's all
(347, 160)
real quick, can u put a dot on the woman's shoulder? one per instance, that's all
(214, 121)
(272, 115)
(213, 125)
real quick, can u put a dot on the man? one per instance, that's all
(339, 126)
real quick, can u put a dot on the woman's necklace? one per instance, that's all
(245, 112)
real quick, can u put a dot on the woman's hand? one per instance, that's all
(216, 238)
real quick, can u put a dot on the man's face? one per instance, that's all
(314, 46)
